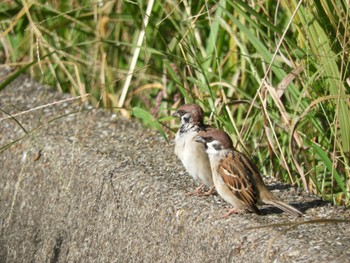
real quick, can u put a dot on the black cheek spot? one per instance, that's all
(186, 119)
(217, 146)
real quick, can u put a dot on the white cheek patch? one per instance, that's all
(186, 118)
(212, 147)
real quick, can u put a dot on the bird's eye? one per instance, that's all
(209, 139)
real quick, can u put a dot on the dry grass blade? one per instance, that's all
(287, 80)
(294, 225)
(136, 54)
(83, 98)
(270, 132)
(285, 117)
(274, 56)
(294, 126)
(15, 20)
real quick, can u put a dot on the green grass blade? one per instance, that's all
(328, 163)
(148, 118)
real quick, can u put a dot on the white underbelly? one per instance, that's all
(225, 192)
(193, 157)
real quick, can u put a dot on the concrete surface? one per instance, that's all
(82, 185)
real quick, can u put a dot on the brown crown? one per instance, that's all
(196, 111)
(218, 135)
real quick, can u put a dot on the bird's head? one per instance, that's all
(190, 114)
(215, 140)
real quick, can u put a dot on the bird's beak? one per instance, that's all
(175, 114)
(200, 139)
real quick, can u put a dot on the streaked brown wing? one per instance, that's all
(233, 172)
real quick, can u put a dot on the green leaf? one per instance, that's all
(149, 119)
(167, 118)
(211, 41)
(328, 163)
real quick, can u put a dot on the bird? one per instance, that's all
(192, 154)
(236, 179)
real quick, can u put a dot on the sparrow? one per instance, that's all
(237, 180)
(192, 154)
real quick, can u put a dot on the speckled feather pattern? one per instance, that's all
(235, 177)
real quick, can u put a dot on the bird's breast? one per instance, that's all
(193, 157)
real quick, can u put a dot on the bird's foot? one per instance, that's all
(211, 191)
(232, 211)
(199, 191)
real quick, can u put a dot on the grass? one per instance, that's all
(274, 75)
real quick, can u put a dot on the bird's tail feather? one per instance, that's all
(285, 207)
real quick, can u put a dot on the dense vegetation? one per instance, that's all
(273, 74)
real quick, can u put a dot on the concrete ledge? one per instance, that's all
(83, 185)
